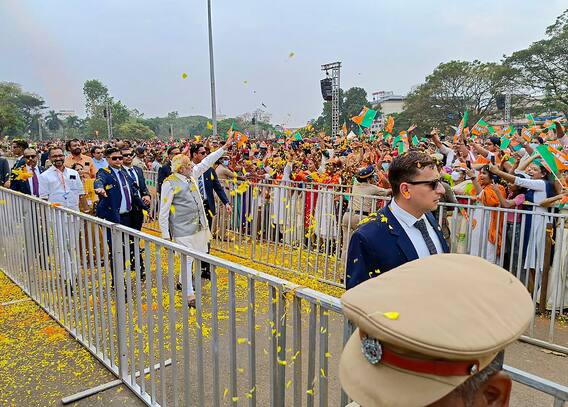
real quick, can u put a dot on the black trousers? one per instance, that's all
(134, 220)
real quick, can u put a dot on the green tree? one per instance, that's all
(454, 88)
(17, 110)
(542, 68)
(96, 95)
(133, 129)
(52, 121)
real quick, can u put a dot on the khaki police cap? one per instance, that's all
(427, 326)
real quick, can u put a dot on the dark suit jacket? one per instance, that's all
(109, 207)
(4, 171)
(142, 188)
(211, 183)
(164, 172)
(22, 186)
(381, 246)
(43, 158)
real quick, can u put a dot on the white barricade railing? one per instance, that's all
(252, 339)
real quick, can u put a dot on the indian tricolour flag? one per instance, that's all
(365, 118)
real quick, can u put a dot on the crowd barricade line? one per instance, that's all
(326, 220)
(253, 338)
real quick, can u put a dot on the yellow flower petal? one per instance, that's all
(392, 315)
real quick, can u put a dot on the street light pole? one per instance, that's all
(212, 71)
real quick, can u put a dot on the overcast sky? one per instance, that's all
(140, 48)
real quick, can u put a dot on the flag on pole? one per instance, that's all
(344, 129)
(365, 118)
(297, 136)
(462, 125)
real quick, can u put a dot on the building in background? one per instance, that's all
(388, 102)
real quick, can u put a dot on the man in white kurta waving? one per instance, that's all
(182, 215)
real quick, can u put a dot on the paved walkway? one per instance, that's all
(40, 363)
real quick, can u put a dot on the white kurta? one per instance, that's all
(198, 241)
(537, 239)
(280, 197)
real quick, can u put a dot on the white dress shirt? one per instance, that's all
(407, 222)
(131, 171)
(123, 208)
(63, 188)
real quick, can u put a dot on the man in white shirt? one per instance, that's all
(62, 186)
(405, 230)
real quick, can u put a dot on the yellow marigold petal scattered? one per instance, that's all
(392, 315)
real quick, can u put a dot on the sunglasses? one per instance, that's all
(432, 183)
(128, 155)
(115, 158)
(29, 157)
(202, 152)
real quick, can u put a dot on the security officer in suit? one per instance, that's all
(166, 170)
(28, 186)
(18, 147)
(207, 183)
(137, 176)
(119, 199)
(433, 333)
(404, 230)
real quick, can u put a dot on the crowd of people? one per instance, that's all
(501, 168)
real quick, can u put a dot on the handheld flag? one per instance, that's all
(241, 138)
(415, 141)
(389, 125)
(365, 118)
(504, 143)
(530, 118)
(552, 161)
(297, 136)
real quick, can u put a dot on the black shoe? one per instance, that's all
(178, 286)
(206, 274)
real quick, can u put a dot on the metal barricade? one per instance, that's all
(252, 338)
(307, 230)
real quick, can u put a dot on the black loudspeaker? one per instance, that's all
(326, 86)
(500, 101)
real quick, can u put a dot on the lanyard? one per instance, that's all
(61, 179)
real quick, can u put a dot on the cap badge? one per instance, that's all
(372, 350)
